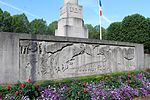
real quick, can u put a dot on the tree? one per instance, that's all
(38, 26)
(114, 32)
(1, 19)
(52, 27)
(6, 21)
(90, 30)
(1, 11)
(94, 31)
(20, 23)
(97, 34)
(133, 28)
(147, 44)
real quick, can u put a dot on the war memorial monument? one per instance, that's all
(68, 54)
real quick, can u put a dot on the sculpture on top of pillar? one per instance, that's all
(71, 22)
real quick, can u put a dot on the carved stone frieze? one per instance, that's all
(51, 60)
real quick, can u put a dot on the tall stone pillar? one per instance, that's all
(71, 22)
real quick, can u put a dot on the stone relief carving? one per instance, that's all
(27, 47)
(129, 54)
(59, 60)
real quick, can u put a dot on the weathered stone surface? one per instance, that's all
(147, 60)
(24, 56)
(53, 60)
(9, 58)
(71, 22)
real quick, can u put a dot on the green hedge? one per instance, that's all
(89, 79)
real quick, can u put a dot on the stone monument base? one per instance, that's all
(71, 27)
(42, 57)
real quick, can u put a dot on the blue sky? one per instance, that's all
(113, 10)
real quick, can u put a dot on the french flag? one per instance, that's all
(100, 4)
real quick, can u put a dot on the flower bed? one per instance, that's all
(114, 86)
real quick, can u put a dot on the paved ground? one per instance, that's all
(144, 98)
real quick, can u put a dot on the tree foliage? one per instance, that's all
(94, 31)
(1, 19)
(20, 23)
(134, 28)
(114, 32)
(147, 43)
(6, 21)
(52, 27)
(38, 26)
(97, 28)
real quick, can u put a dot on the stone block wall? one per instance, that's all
(147, 60)
(24, 56)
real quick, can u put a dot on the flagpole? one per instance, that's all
(100, 19)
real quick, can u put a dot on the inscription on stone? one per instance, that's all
(75, 10)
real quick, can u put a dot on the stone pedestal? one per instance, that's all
(44, 57)
(71, 22)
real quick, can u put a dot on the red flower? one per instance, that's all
(8, 87)
(17, 93)
(20, 86)
(21, 91)
(84, 84)
(78, 93)
(29, 80)
(85, 91)
(23, 85)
